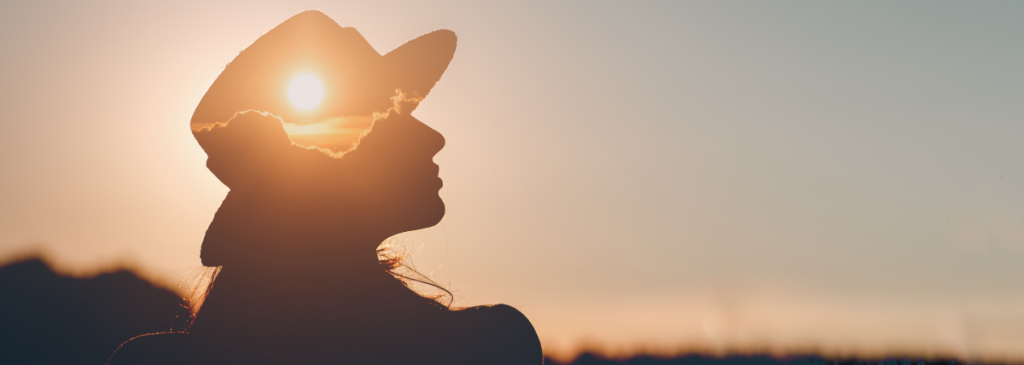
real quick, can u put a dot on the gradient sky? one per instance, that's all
(724, 176)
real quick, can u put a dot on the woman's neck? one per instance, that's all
(311, 268)
(253, 293)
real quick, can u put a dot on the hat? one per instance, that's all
(356, 80)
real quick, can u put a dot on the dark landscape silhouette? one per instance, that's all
(595, 359)
(49, 318)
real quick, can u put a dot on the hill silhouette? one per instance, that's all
(49, 318)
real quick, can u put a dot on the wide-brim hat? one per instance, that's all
(357, 80)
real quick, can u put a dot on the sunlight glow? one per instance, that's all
(305, 91)
(337, 134)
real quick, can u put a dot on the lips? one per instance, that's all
(427, 179)
(436, 176)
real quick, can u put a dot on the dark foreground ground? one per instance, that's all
(46, 318)
(592, 359)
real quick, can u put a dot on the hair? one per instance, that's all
(395, 263)
(391, 260)
(199, 285)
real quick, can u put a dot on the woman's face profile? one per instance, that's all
(393, 175)
(285, 192)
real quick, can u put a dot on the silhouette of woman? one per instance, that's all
(297, 236)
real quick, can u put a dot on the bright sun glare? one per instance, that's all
(305, 91)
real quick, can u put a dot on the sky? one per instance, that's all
(711, 176)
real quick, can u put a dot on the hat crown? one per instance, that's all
(310, 42)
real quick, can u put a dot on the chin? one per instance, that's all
(433, 212)
(425, 213)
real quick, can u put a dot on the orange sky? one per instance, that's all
(663, 176)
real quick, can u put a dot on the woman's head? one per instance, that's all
(304, 181)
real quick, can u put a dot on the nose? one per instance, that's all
(432, 140)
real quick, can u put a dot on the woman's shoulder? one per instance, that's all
(497, 334)
(498, 315)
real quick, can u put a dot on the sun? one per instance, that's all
(305, 91)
